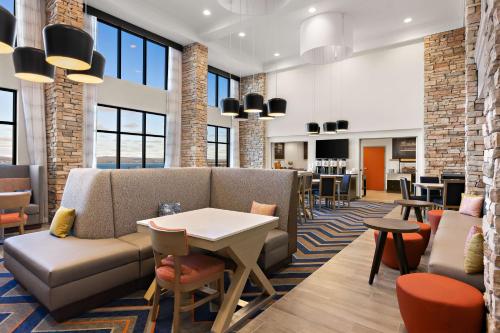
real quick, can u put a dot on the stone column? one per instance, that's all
(444, 100)
(63, 111)
(253, 131)
(194, 106)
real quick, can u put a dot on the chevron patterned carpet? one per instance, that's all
(318, 241)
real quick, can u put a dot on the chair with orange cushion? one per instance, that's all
(434, 217)
(436, 303)
(181, 272)
(16, 202)
(414, 248)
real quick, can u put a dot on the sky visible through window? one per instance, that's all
(132, 58)
(107, 45)
(8, 4)
(6, 130)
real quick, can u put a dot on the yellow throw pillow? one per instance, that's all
(473, 261)
(62, 222)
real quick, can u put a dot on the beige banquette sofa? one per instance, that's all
(106, 256)
(447, 254)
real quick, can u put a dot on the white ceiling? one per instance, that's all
(377, 24)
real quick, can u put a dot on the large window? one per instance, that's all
(132, 57)
(7, 126)
(217, 88)
(217, 146)
(8, 4)
(129, 139)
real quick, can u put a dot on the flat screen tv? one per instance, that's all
(332, 148)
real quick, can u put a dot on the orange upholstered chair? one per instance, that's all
(414, 247)
(435, 303)
(434, 217)
(181, 272)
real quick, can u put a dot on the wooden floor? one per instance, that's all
(381, 196)
(338, 298)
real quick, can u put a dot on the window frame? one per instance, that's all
(144, 53)
(217, 142)
(12, 123)
(217, 75)
(143, 134)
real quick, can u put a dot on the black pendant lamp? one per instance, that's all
(264, 114)
(7, 31)
(68, 47)
(277, 107)
(94, 75)
(312, 128)
(30, 65)
(330, 127)
(253, 103)
(342, 125)
(230, 107)
(242, 115)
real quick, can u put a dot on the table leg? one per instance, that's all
(379, 250)
(406, 213)
(428, 195)
(418, 214)
(400, 250)
(148, 296)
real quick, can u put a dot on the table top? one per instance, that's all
(429, 185)
(391, 225)
(413, 203)
(212, 224)
(12, 194)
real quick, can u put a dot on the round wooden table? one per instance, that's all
(417, 205)
(397, 227)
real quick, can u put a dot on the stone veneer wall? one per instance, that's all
(474, 119)
(444, 98)
(487, 59)
(253, 131)
(63, 111)
(194, 106)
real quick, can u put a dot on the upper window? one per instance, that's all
(7, 126)
(132, 57)
(129, 139)
(217, 146)
(8, 4)
(217, 89)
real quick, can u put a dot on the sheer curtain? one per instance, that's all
(30, 21)
(89, 106)
(235, 129)
(174, 97)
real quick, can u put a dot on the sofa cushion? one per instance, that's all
(137, 193)
(447, 255)
(57, 261)
(275, 239)
(142, 241)
(89, 192)
(32, 209)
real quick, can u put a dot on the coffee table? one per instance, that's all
(417, 205)
(240, 236)
(397, 227)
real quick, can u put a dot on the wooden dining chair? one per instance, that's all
(180, 272)
(301, 193)
(308, 193)
(15, 203)
(452, 194)
(345, 190)
(327, 190)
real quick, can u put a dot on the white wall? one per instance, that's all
(294, 152)
(215, 118)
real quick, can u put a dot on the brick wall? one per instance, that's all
(63, 112)
(444, 98)
(194, 106)
(253, 131)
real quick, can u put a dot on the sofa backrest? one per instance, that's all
(235, 189)
(137, 193)
(88, 191)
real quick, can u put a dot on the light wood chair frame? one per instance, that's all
(175, 243)
(307, 182)
(18, 201)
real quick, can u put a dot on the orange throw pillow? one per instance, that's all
(471, 205)
(263, 209)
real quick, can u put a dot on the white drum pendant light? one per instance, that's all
(326, 38)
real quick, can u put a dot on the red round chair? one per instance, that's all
(434, 217)
(425, 232)
(434, 303)
(414, 247)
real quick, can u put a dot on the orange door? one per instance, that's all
(374, 167)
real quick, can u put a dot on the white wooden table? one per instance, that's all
(239, 235)
(429, 187)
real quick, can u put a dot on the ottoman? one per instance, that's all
(414, 247)
(425, 232)
(435, 303)
(434, 217)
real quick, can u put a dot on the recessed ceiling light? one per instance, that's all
(207, 12)
(276, 54)
(407, 20)
(312, 10)
(242, 34)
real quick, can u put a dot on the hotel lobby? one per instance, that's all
(249, 166)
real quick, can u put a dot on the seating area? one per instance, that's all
(249, 166)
